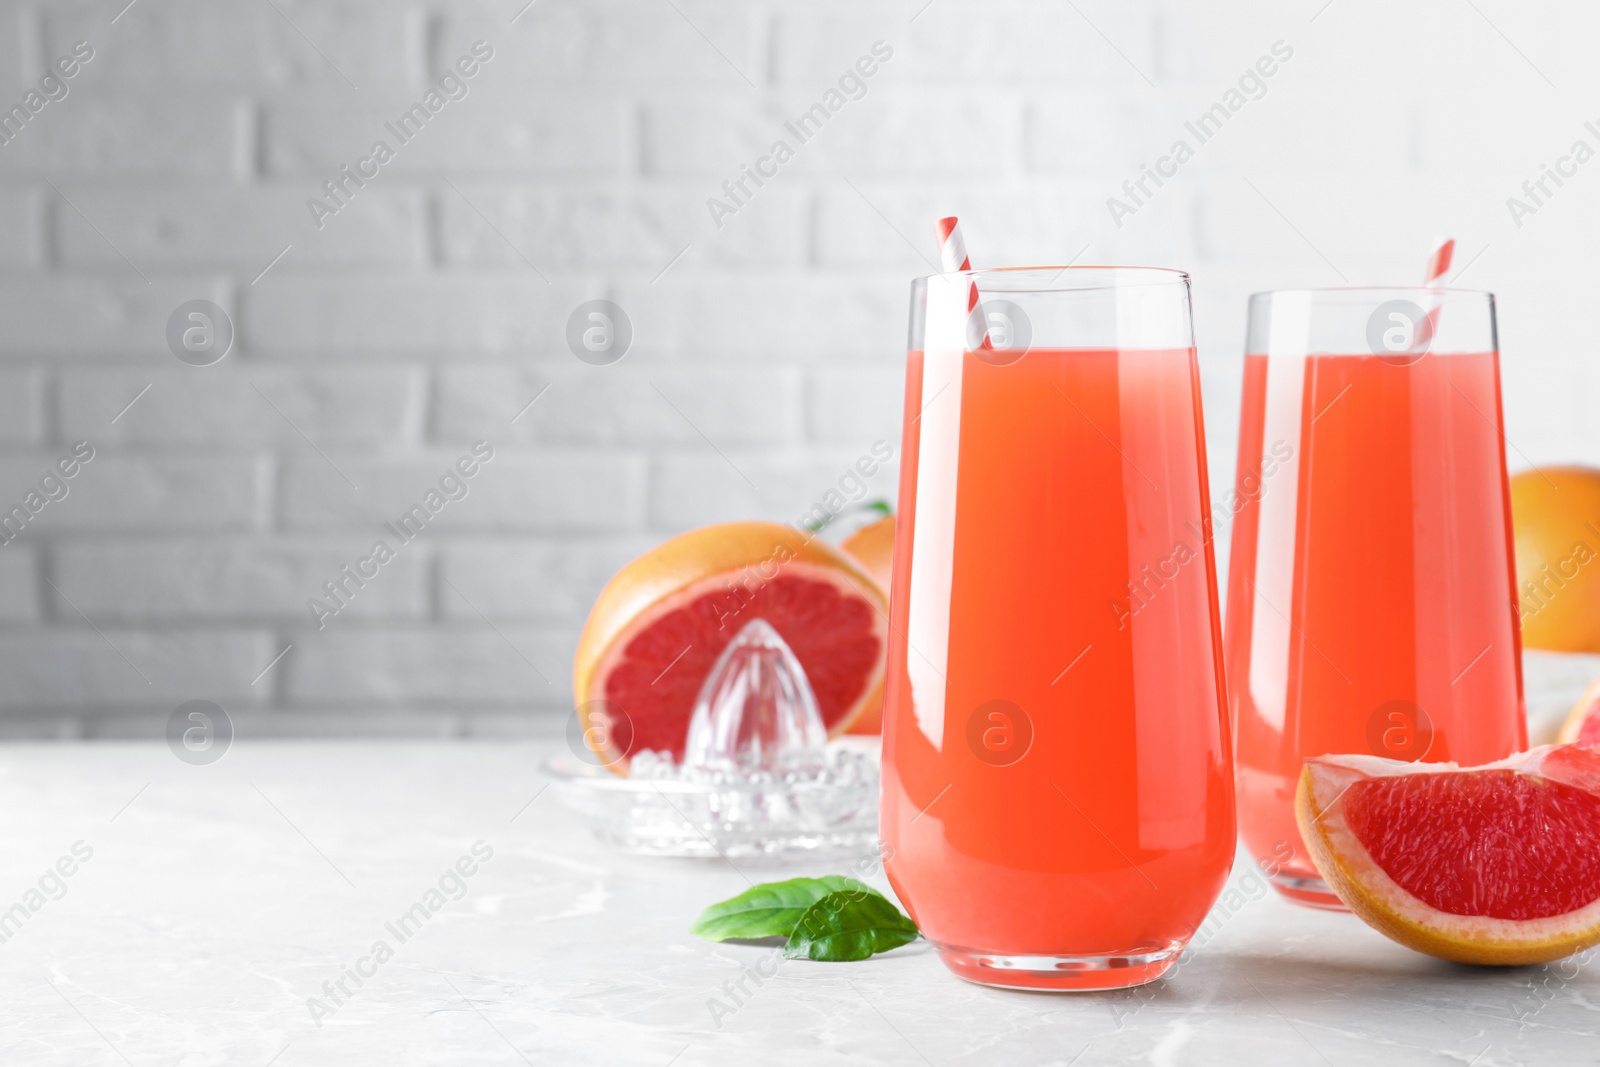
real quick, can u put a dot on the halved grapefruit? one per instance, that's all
(660, 623)
(1583, 722)
(1498, 864)
(873, 547)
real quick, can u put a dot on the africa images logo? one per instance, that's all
(1251, 85)
(452, 85)
(52, 88)
(852, 85)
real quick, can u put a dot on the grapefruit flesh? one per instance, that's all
(873, 547)
(1498, 864)
(1583, 722)
(659, 626)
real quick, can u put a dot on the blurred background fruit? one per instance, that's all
(873, 546)
(1555, 513)
(1556, 518)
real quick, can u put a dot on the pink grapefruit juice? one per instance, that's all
(1056, 772)
(1372, 584)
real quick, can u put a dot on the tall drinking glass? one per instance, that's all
(1057, 787)
(1371, 595)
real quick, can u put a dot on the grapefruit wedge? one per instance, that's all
(660, 623)
(1498, 864)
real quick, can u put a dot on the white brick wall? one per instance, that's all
(766, 353)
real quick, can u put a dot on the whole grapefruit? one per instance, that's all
(1555, 514)
(873, 547)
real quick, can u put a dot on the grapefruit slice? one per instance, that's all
(873, 547)
(1583, 722)
(1498, 864)
(661, 622)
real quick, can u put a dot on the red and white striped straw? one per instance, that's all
(1439, 262)
(952, 246)
(1438, 266)
(953, 257)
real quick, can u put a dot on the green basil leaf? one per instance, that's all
(849, 926)
(770, 910)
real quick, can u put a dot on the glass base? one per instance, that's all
(660, 811)
(1308, 892)
(1052, 973)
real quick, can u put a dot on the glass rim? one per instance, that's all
(1353, 290)
(1110, 276)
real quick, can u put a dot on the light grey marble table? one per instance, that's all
(216, 901)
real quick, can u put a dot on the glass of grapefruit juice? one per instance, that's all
(1057, 788)
(1371, 588)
